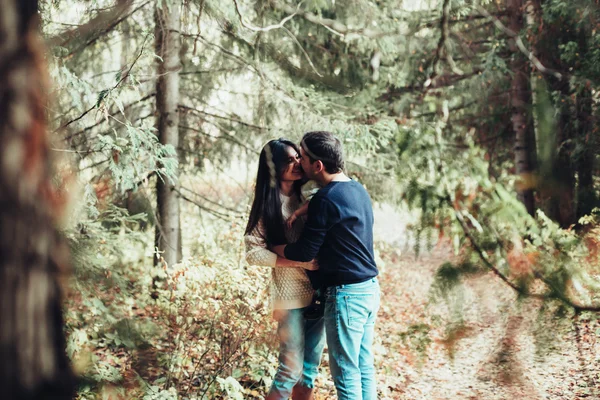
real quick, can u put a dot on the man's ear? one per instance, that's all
(319, 167)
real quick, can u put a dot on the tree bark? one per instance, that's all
(587, 199)
(33, 256)
(167, 98)
(586, 195)
(520, 101)
(558, 181)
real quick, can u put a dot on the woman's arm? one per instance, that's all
(257, 253)
(284, 262)
(303, 210)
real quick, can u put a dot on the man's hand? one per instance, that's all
(311, 265)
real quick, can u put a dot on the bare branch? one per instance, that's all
(216, 213)
(92, 25)
(237, 121)
(266, 28)
(439, 82)
(333, 25)
(97, 26)
(534, 60)
(443, 49)
(240, 212)
(303, 51)
(340, 29)
(225, 136)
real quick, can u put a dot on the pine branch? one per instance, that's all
(484, 257)
(209, 71)
(555, 293)
(111, 114)
(303, 52)
(223, 50)
(123, 77)
(457, 108)
(284, 62)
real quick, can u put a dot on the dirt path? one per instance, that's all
(494, 357)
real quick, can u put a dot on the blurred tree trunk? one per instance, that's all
(33, 362)
(167, 98)
(524, 148)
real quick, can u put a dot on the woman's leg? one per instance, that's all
(291, 353)
(314, 342)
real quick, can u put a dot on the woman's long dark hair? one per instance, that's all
(267, 204)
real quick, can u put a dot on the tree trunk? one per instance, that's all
(557, 181)
(564, 171)
(33, 362)
(167, 98)
(586, 195)
(520, 101)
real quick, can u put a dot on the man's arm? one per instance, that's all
(257, 252)
(322, 215)
(279, 250)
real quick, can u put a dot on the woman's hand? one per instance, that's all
(290, 221)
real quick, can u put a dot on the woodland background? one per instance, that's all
(474, 125)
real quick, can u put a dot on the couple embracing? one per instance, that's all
(324, 257)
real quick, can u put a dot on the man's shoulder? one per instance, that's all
(346, 188)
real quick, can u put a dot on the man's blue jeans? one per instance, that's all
(350, 313)
(301, 344)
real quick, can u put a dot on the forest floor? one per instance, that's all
(505, 349)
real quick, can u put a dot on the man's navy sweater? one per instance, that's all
(339, 233)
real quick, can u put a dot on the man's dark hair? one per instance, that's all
(325, 147)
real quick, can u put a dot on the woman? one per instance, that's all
(277, 196)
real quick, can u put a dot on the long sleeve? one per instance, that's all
(257, 252)
(290, 286)
(322, 215)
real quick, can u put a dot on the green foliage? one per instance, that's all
(417, 339)
(209, 328)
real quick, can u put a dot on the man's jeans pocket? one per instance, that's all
(357, 304)
(357, 309)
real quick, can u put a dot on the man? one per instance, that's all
(339, 233)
